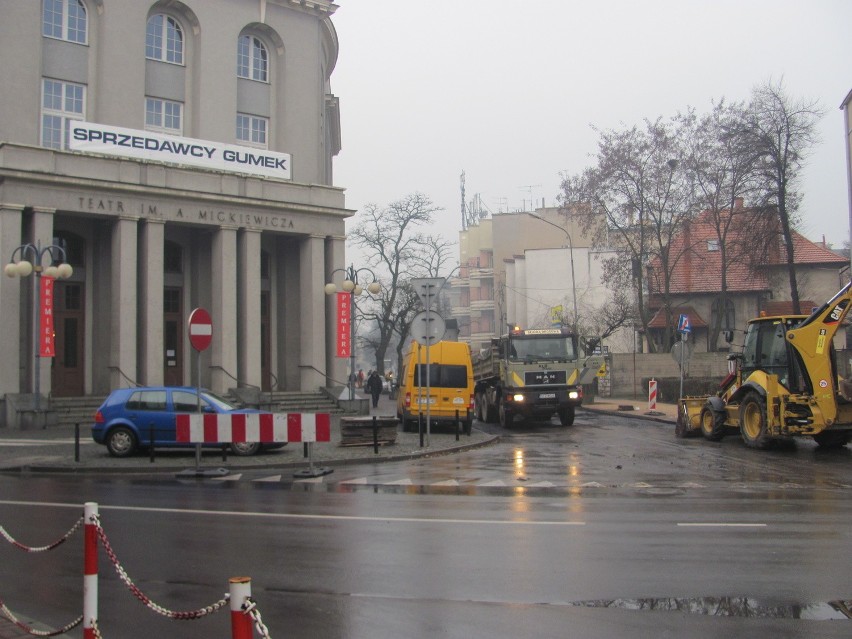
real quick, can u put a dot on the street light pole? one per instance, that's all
(573, 280)
(352, 286)
(31, 259)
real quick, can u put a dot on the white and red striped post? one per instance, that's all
(652, 394)
(240, 589)
(90, 570)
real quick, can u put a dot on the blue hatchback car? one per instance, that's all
(131, 417)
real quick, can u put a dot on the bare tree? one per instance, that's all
(724, 168)
(782, 130)
(639, 186)
(397, 250)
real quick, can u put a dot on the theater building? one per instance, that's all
(178, 154)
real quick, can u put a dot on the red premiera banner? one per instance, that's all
(344, 325)
(46, 345)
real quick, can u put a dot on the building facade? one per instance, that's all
(178, 154)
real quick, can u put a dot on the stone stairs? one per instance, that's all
(299, 402)
(75, 410)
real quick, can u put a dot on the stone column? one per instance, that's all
(312, 312)
(124, 269)
(223, 311)
(12, 346)
(151, 300)
(248, 286)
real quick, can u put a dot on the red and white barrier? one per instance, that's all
(90, 570)
(652, 394)
(266, 428)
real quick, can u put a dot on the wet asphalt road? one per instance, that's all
(598, 530)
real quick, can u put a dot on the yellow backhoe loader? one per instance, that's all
(784, 384)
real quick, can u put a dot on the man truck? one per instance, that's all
(531, 374)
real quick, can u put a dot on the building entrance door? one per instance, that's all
(66, 373)
(173, 331)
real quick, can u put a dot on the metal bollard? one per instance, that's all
(77, 442)
(457, 424)
(240, 589)
(90, 570)
(375, 436)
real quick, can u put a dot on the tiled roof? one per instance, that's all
(698, 269)
(786, 308)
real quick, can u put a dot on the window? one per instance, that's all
(164, 39)
(64, 19)
(252, 59)
(251, 129)
(147, 400)
(712, 245)
(163, 116)
(61, 104)
(172, 257)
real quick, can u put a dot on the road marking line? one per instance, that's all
(399, 482)
(273, 478)
(721, 525)
(446, 482)
(261, 515)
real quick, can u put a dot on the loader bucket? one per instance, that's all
(689, 415)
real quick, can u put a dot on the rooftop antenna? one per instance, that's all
(529, 188)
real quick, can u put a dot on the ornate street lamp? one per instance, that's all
(352, 285)
(31, 259)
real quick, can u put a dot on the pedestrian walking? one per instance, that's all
(374, 385)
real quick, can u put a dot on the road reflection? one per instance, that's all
(731, 607)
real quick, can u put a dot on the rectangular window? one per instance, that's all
(252, 130)
(61, 104)
(163, 116)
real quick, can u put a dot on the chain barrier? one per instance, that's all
(141, 596)
(32, 631)
(250, 608)
(56, 543)
(34, 549)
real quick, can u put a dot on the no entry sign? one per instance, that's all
(200, 329)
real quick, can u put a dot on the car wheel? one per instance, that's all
(712, 423)
(245, 449)
(121, 442)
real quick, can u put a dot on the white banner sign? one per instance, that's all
(89, 137)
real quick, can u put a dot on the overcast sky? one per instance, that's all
(507, 90)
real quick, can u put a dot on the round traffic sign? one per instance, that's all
(428, 327)
(200, 329)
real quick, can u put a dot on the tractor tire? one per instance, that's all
(833, 438)
(753, 422)
(712, 423)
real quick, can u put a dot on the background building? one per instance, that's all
(202, 179)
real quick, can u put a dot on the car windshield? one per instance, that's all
(219, 402)
(554, 348)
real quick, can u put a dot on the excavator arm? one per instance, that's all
(812, 340)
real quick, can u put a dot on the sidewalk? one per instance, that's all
(53, 449)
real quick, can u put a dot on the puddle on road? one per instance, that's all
(731, 607)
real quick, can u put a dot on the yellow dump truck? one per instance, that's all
(784, 384)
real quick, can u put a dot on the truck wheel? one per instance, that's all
(480, 407)
(566, 416)
(833, 438)
(712, 423)
(490, 414)
(753, 425)
(506, 417)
